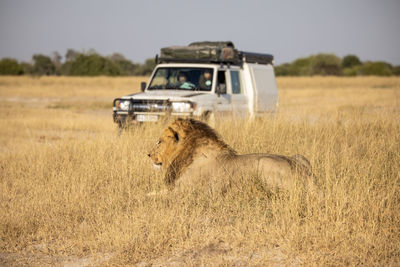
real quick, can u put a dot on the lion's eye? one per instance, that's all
(159, 142)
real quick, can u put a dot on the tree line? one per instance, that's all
(77, 63)
(92, 63)
(330, 64)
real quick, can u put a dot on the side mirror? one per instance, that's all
(221, 89)
(143, 86)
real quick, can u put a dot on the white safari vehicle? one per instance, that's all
(203, 80)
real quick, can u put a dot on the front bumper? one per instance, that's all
(145, 111)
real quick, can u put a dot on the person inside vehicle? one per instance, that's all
(184, 83)
(206, 80)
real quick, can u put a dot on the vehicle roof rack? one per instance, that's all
(258, 58)
(196, 60)
(211, 52)
(213, 43)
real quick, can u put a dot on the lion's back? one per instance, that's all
(211, 162)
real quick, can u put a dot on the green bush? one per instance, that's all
(71, 55)
(66, 68)
(43, 65)
(92, 65)
(320, 64)
(9, 66)
(350, 61)
(353, 71)
(325, 64)
(126, 66)
(27, 67)
(146, 68)
(377, 68)
(396, 70)
(300, 67)
(330, 64)
(282, 70)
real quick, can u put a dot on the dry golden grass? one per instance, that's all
(73, 192)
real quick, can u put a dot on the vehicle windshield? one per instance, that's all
(182, 79)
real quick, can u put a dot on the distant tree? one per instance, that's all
(126, 66)
(43, 65)
(9, 66)
(92, 51)
(300, 67)
(56, 59)
(27, 67)
(350, 61)
(353, 71)
(378, 68)
(146, 68)
(325, 64)
(117, 57)
(66, 68)
(93, 65)
(282, 70)
(71, 55)
(396, 70)
(330, 64)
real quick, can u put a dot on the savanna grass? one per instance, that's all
(70, 185)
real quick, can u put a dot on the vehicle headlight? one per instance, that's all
(182, 106)
(123, 104)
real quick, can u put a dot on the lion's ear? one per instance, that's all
(175, 133)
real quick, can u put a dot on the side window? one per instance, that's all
(221, 82)
(235, 81)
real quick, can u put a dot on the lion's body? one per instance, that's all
(190, 149)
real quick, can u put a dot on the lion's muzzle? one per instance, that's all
(156, 162)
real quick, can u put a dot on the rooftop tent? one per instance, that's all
(212, 52)
(207, 52)
(216, 44)
(258, 58)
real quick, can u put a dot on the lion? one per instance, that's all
(188, 149)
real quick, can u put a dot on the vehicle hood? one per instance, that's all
(165, 94)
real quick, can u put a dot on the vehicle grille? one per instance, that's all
(151, 105)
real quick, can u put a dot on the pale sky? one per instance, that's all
(138, 29)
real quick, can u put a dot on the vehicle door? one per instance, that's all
(222, 105)
(239, 101)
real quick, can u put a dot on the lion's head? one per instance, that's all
(165, 148)
(176, 147)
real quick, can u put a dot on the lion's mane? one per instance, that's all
(192, 135)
